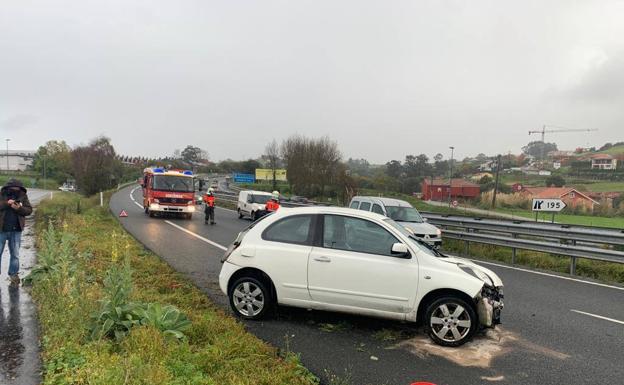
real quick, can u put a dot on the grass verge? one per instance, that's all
(216, 348)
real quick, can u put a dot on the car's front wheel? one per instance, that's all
(250, 298)
(450, 321)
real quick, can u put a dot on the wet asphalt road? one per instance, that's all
(19, 337)
(542, 340)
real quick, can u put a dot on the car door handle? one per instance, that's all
(322, 259)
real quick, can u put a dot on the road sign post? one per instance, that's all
(548, 205)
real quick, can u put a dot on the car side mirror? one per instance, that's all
(400, 250)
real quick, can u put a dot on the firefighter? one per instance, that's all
(273, 203)
(209, 200)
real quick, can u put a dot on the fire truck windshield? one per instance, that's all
(173, 183)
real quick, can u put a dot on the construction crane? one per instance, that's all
(544, 131)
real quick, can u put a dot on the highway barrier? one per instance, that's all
(596, 243)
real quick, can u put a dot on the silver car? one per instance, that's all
(401, 212)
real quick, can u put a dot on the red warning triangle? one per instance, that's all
(123, 213)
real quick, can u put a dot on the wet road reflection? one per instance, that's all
(11, 330)
(19, 337)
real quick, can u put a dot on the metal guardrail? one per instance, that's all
(570, 241)
(599, 235)
(573, 241)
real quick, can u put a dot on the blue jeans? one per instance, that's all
(14, 238)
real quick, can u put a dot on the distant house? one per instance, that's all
(487, 166)
(603, 162)
(439, 189)
(571, 196)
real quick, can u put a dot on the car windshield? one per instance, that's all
(404, 214)
(262, 199)
(173, 183)
(419, 243)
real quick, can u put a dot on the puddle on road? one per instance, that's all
(481, 351)
(19, 343)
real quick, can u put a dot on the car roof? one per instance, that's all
(384, 201)
(330, 210)
(256, 192)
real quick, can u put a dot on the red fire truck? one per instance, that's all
(168, 191)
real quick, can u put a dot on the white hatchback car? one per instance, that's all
(359, 262)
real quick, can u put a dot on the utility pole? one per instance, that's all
(450, 176)
(498, 167)
(7, 155)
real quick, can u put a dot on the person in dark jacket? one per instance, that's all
(14, 208)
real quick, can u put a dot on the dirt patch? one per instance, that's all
(480, 352)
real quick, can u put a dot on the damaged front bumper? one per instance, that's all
(489, 306)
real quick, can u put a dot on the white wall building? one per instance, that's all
(19, 160)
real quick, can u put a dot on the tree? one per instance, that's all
(95, 166)
(192, 154)
(394, 168)
(417, 166)
(56, 157)
(555, 180)
(539, 149)
(312, 164)
(438, 157)
(272, 154)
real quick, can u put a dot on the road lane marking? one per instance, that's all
(132, 197)
(598, 316)
(215, 244)
(549, 275)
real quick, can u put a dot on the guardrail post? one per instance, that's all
(513, 251)
(467, 248)
(572, 265)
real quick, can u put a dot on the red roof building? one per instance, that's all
(438, 189)
(571, 196)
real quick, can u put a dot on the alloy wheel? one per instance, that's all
(248, 299)
(450, 322)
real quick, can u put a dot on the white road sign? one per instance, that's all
(548, 204)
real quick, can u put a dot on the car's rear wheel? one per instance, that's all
(250, 298)
(254, 216)
(450, 321)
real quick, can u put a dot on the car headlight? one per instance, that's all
(438, 232)
(189, 202)
(477, 274)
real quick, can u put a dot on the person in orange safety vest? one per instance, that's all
(209, 200)
(273, 203)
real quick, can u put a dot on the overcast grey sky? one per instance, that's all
(383, 78)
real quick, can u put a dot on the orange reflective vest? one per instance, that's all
(210, 200)
(272, 205)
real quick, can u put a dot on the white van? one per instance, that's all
(401, 212)
(252, 203)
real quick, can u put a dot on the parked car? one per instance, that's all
(299, 199)
(401, 212)
(252, 203)
(338, 259)
(68, 187)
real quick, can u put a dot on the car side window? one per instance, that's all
(295, 229)
(365, 206)
(355, 234)
(377, 209)
(354, 204)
